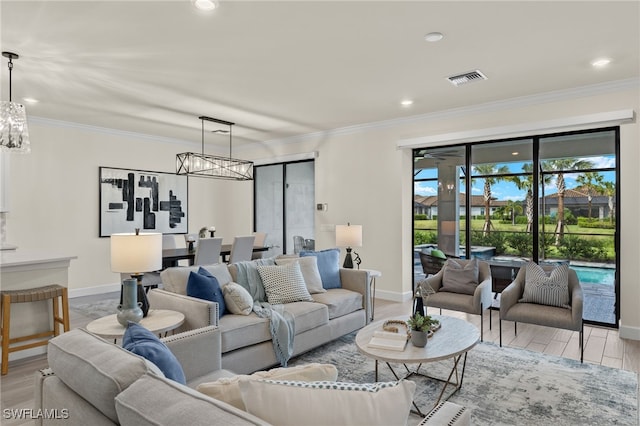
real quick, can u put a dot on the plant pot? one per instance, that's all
(419, 338)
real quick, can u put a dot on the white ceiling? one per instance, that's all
(281, 69)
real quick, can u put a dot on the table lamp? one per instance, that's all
(136, 254)
(349, 236)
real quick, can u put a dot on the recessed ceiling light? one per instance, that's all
(514, 153)
(406, 103)
(602, 62)
(30, 100)
(434, 36)
(206, 5)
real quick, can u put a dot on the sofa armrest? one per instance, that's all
(198, 351)
(359, 281)
(482, 295)
(198, 313)
(40, 377)
(510, 295)
(577, 299)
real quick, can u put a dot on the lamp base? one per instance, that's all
(348, 260)
(141, 294)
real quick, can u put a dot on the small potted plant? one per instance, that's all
(420, 325)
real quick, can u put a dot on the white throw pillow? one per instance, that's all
(546, 289)
(310, 272)
(237, 299)
(227, 389)
(284, 284)
(328, 403)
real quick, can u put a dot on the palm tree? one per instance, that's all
(591, 182)
(609, 189)
(562, 166)
(513, 208)
(525, 183)
(487, 170)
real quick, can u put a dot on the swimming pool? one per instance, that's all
(591, 275)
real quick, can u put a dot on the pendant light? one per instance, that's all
(14, 135)
(214, 166)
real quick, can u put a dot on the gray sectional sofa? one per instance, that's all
(246, 342)
(93, 382)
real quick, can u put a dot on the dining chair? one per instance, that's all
(169, 241)
(208, 251)
(260, 241)
(241, 249)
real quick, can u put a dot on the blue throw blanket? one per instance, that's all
(281, 322)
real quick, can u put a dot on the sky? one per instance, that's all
(507, 190)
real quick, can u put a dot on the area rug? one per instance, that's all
(507, 386)
(96, 309)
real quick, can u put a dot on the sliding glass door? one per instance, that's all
(550, 199)
(284, 201)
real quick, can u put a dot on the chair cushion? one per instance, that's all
(460, 276)
(310, 272)
(141, 341)
(543, 289)
(205, 286)
(240, 331)
(328, 403)
(227, 389)
(307, 315)
(284, 283)
(237, 299)
(328, 266)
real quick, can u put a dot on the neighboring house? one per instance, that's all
(428, 205)
(577, 201)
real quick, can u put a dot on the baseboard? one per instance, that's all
(92, 291)
(394, 296)
(628, 332)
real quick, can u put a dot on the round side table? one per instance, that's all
(158, 321)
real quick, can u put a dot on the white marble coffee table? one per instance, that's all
(158, 321)
(453, 340)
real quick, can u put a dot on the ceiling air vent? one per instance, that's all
(467, 77)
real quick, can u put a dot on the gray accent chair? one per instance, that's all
(475, 303)
(548, 316)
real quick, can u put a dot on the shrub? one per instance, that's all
(585, 222)
(521, 242)
(420, 216)
(424, 237)
(493, 239)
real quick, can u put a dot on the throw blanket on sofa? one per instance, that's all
(281, 323)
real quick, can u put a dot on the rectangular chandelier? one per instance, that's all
(214, 166)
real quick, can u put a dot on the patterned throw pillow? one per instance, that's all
(284, 284)
(329, 403)
(543, 289)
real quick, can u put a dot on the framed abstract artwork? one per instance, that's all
(150, 201)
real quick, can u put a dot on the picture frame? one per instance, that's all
(148, 200)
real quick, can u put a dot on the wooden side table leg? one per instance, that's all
(6, 324)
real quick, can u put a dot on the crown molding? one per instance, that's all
(523, 101)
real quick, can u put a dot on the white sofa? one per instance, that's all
(246, 342)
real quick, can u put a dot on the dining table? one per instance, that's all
(171, 256)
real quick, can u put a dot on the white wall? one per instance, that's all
(360, 174)
(54, 196)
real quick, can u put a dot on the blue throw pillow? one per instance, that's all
(141, 341)
(328, 266)
(205, 286)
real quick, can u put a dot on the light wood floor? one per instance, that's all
(602, 346)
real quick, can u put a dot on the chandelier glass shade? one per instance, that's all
(214, 166)
(14, 134)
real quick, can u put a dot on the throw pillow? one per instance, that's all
(310, 272)
(543, 289)
(205, 286)
(457, 278)
(237, 299)
(141, 341)
(284, 284)
(328, 403)
(227, 389)
(328, 266)
(438, 253)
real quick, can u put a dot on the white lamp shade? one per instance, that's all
(349, 235)
(133, 254)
